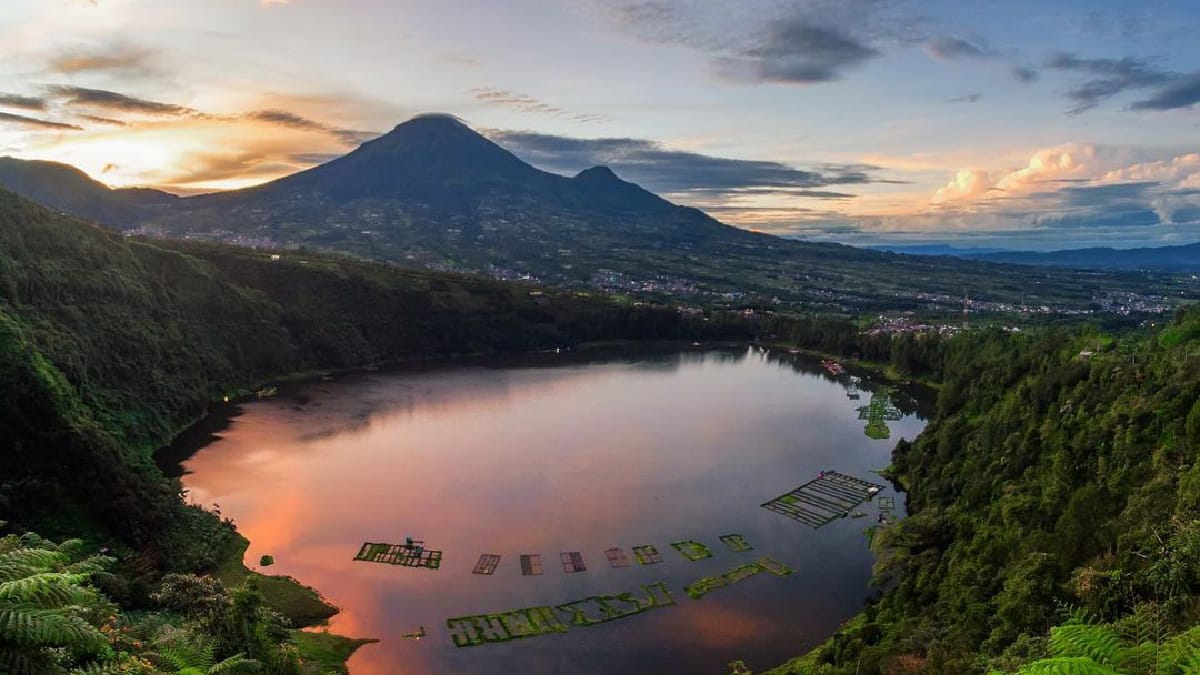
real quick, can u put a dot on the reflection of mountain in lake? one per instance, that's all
(881, 410)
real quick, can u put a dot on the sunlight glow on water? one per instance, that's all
(534, 457)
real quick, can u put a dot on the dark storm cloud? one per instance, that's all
(663, 170)
(1106, 78)
(35, 123)
(799, 53)
(1180, 94)
(22, 102)
(114, 101)
(949, 48)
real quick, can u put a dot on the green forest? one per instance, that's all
(1054, 505)
(1054, 497)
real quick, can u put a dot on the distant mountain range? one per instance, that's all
(433, 193)
(1183, 258)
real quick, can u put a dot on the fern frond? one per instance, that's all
(1066, 665)
(29, 626)
(48, 589)
(235, 665)
(180, 651)
(1097, 643)
(22, 562)
(1181, 654)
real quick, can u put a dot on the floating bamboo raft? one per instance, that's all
(399, 554)
(572, 562)
(616, 557)
(487, 564)
(824, 499)
(531, 565)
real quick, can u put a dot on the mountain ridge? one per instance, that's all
(433, 193)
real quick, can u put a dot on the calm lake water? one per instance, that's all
(547, 454)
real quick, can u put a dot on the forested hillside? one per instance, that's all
(1050, 487)
(111, 345)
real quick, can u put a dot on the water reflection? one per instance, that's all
(545, 454)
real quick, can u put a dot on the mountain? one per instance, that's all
(1185, 258)
(434, 194)
(431, 190)
(69, 190)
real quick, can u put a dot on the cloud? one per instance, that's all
(1183, 93)
(1059, 164)
(461, 58)
(952, 48)
(291, 120)
(967, 98)
(1073, 193)
(35, 123)
(1106, 78)
(104, 120)
(529, 104)
(114, 101)
(692, 177)
(22, 102)
(798, 53)
(795, 43)
(1023, 74)
(117, 56)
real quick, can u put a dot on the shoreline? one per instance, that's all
(304, 605)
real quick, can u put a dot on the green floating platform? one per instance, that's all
(528, 622)
(736, 543)
(703, 587)
(399, 554)
(692, 550)
(647, 554)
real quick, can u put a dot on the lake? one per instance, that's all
(553, 453)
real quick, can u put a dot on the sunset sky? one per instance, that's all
(1019, 123)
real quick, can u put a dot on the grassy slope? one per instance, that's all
(325, 653)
